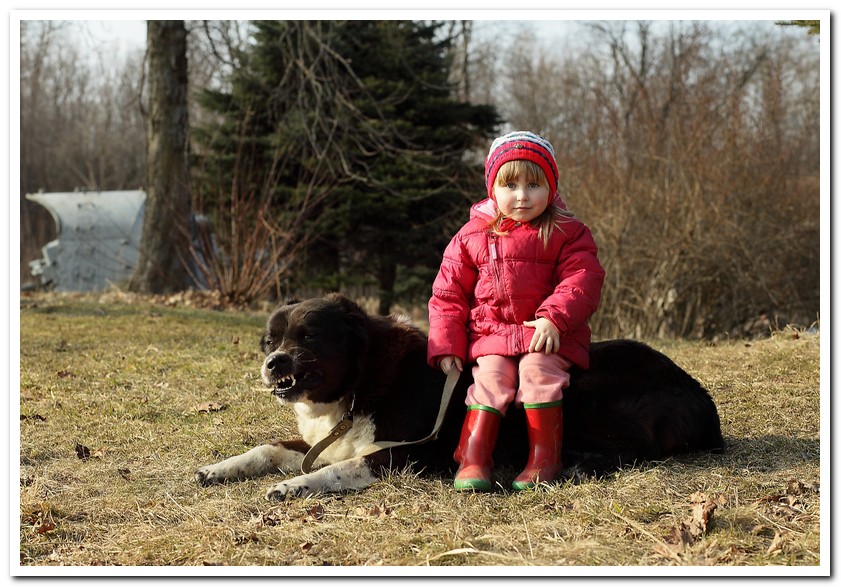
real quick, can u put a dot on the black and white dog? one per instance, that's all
(328, 359)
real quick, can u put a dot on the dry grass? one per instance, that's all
(140, 386)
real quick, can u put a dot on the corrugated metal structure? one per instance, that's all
(98, 239)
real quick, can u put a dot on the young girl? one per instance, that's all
(513, 295)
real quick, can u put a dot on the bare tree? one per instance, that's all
(693, 155)
(165, 238)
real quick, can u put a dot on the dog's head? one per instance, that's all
(314, 349)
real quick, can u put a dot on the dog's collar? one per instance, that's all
(346, 423)
(339, 430)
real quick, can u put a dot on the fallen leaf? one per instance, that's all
(83, 452)
(38, 417)
(316, 511)
(306, 546)
(776, 544)
(124, 473)
(701, 497)
(794, 487)
(788, 506)
(266, 519)
(208, 407)
(375, 511)
(770, 498)
(670, 551)
(702, 513)
(246, 538)
(45, 527)
(65, 373)
(698, 497)
(41, 521)
(680, 535)
(690, 530)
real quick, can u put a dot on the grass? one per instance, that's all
(122, 399)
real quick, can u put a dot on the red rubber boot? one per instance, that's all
(545, 424)
(475, 449)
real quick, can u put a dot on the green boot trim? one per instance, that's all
(482, 485)
(485, 409)
(543, 405)
(522, 485)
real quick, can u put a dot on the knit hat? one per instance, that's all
(522, 145)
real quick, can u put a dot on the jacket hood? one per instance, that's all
(484, 210)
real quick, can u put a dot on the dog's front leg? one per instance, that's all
(352, 474)
(262, 460)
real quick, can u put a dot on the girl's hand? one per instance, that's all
(546, 336)
(447, 363)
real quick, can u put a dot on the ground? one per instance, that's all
(122, 398)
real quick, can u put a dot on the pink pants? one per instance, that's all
(532, 378)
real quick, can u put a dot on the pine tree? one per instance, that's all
(354, 129)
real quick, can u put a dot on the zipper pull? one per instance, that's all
(493, 250)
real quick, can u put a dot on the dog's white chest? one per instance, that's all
(316, 421)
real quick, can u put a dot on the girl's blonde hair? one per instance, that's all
(552, 217)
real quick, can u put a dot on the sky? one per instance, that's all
(127, 35)
(123, 35)
(556, 29)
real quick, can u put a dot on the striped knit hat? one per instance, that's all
(521, 145)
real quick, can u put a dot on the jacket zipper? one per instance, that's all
(494, 259)
(497, 281)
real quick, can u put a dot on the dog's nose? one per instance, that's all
(280, 363)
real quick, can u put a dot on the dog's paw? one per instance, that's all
(289, 489)
(209, 475)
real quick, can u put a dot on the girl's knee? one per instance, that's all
(542, 379)
(538, 375)
(494, 378)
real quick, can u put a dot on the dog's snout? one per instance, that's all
(279, 363)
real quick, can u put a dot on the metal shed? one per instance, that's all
(98, 238)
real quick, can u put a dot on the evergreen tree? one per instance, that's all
(353, 129)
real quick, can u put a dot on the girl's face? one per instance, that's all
(521, 198)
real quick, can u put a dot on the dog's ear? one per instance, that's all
(355, 317)
(346, 304)
(359, 321)
(291, 301)
(341, 299)
(358, 342)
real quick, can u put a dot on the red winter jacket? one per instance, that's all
(488, 285)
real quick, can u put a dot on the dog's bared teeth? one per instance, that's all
(286, 383)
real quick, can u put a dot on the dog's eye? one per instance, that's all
(267, 341)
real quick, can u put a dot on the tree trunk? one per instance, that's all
(165, 238)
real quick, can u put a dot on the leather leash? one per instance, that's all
(346, 423)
